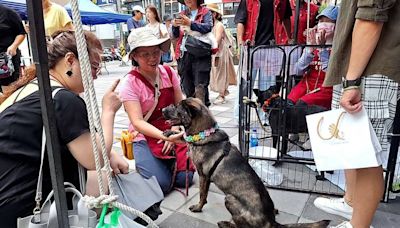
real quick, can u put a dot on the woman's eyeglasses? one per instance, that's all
(148, 55)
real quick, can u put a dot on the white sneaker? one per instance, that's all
(345, 225)
(336, 206)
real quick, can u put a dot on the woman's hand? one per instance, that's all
(321, 37)
(169, 144)
(185, 20)
(111, 99)
(118, 163)
(12, 50)
(176, 22)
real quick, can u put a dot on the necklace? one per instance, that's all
(154, 81)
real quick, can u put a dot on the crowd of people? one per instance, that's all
(186, 56)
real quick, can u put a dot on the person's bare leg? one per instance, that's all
(351, 176)
(368, 193)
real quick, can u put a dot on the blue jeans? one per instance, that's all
(148, 165)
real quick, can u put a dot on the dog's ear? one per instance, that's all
(192, 105)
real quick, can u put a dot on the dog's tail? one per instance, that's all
(320, 224)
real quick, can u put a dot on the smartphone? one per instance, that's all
(177, 16)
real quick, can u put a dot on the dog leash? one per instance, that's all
(226, 149)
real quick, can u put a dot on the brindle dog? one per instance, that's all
(218, 161)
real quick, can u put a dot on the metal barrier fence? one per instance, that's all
(275, 144)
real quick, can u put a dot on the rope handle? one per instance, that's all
(333, 128)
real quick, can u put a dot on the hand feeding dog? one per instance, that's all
(220, 162)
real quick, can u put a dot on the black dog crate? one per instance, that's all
(283, 158)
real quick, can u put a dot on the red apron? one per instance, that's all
(156, 119)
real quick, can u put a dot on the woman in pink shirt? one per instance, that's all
(149, 88)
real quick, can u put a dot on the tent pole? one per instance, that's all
(39, 56)
(296, 21)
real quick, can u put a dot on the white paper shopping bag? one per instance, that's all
(340, 140)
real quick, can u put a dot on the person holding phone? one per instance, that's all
(194, 71)
(13, 34)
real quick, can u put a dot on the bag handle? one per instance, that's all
(38, 197)
(156, 96)
(333, 128)
(78, 205)
(157, 91)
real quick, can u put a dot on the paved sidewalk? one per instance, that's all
(293, 206)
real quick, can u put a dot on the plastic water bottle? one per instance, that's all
(396, 183)
(253, 138)
(267, 172)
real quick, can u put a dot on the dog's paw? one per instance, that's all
(168, 133)
(226, 224)
(195, 208)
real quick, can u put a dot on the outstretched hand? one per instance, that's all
(111, 99)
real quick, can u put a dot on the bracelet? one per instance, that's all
(351, 87)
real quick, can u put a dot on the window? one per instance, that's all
(228, 8)
(175, 8)
(168, 8)
(235, 7)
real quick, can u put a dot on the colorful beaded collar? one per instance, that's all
(201, 135)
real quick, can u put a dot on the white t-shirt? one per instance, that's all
(157, 28)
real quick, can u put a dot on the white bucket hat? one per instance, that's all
(138, 8)
(145, 37)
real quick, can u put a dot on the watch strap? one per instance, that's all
(348, 83)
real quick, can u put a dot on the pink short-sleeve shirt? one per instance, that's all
(133, 89)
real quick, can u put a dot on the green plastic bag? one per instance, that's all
(114, 223)
(115, 219)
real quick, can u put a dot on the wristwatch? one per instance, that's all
(348, 83)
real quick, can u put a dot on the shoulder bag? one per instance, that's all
(340, 140)
(197, 47)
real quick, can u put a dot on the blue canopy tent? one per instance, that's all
(17, 5)
(91, 14)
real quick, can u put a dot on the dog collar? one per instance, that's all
(201, 135)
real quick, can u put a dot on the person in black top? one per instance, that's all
(21, 127)
(263, 22)
(12, 35)
(258, 29)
